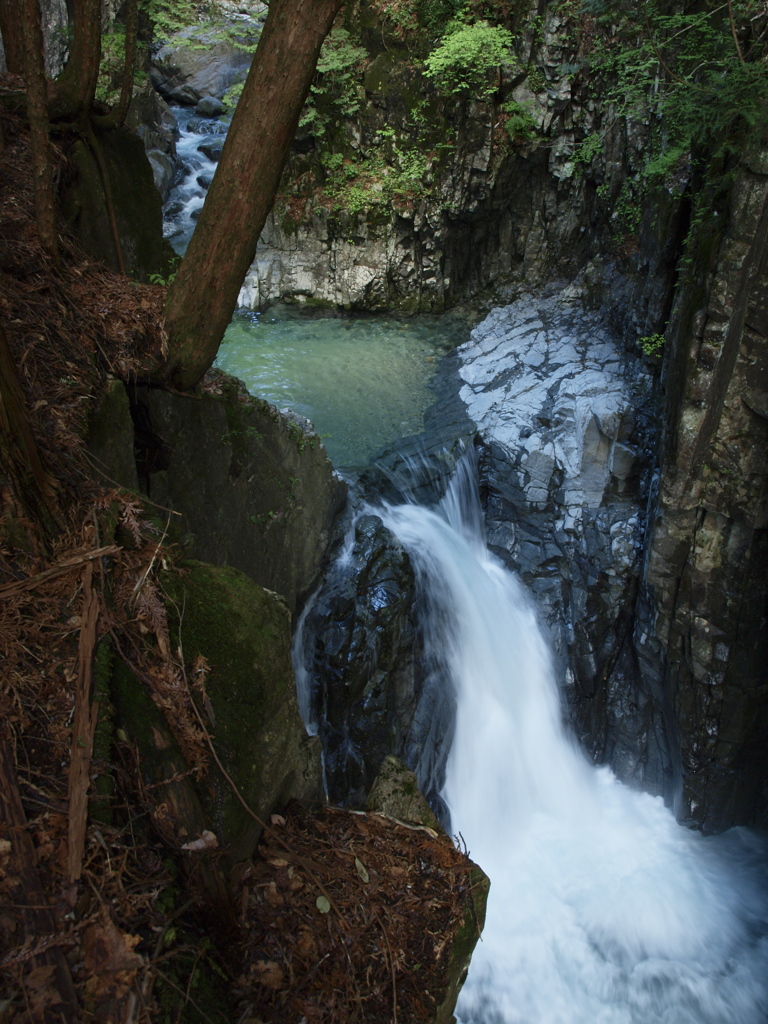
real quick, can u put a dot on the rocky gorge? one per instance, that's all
(611, 399)
(578, 431)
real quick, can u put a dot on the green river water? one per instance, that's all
(362, 380)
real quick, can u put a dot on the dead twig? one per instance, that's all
(83, 729)
(69, 563)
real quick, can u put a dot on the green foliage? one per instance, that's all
(520, 124)
(651, 344)
(111, 66)
(703, 90)
(627, 210)
(170, 16)
(586, 151)
(373, 181)
(408, 16)
(536, 79)
(466, 56)
(165, 281)
(334, 92)
(232, 95)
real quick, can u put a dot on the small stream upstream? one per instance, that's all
(602, 910)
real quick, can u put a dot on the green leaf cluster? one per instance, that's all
(520, 124)
(170, 16)
(372, 181)
(651, 344)
(700, 77)
(334, 92)
(466, 56)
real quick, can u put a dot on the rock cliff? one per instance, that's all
(700, 634)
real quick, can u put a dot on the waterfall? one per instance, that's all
(603, 910)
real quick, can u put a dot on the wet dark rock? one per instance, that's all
(701, 626)
(361, 652)
(204, 181)
(163, 171)
(211, 149)
(207, 126)
(182, 170)
(209, 106)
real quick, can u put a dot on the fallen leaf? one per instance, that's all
(107, 948)
(306, 945)
(207, 841)
(361, 870)
(42, 991)
(323, 905)
(273, 896)
(269, 974)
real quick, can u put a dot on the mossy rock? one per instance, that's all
(110, 437)
(254, 487)
(395, 792)
(136, 202)
(244, 632)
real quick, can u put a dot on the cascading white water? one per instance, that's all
(603, 910)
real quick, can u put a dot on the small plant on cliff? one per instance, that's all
(334, 92)
(519, 123)
(468, 59)
(651, 344)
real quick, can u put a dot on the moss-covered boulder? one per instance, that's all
(254, 486)
(135, 200)
(243, 631)
(110, 437)
(464, 945)
(395, 792)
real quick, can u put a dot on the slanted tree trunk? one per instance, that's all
(37, 110)
(203, 297)
(13, 41)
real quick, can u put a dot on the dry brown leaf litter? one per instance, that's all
(373, 945)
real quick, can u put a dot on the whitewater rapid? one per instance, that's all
(603, 910)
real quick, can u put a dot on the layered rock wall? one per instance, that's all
(702, 628)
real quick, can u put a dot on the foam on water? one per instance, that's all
(603, 910)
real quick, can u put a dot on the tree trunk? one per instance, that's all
(37, 109)
(75, 88)
(33, 487)
(13, 41)
(203, 297)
